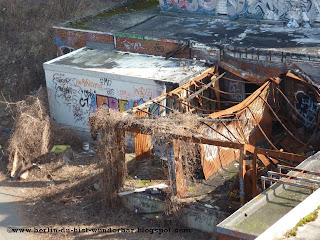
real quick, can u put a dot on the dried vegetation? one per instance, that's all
(28, 40)
(111, 125)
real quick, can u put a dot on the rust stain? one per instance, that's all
(142, 143)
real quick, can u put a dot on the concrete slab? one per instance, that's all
(255, 217)
(9, 217)
(129, 65)
(289, 221)
(120, 22)
(213, 31)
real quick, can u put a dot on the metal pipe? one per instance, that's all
(271, 174)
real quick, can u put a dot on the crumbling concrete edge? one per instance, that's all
(290, 220)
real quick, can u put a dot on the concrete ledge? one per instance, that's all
(287, 222)
(203, 219)
(228, 226)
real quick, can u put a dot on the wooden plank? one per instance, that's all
(242, 172)
(207, 73)
(179, 171)
(254, 173)
(264, 159)
(204, 87)
(282, 155)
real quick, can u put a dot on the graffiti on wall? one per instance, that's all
(124, 105)
(307, 107)
(130, 45)
(190, 6)
(81, 102)
(301, 11)
(69, 40)
(82, 97)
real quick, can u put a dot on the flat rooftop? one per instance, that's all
(208, 30)
(131, 64)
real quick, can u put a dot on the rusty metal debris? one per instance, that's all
(258, 116)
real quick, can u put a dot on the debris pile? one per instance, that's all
(227, 114)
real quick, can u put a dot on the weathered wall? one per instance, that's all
(301, 10)
(190, 6)
(74, 97)
(68, 40)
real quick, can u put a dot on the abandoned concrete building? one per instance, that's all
(231, 86)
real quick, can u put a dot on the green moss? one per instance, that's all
(133, 7)
(80, 25)
(142, 182)
(191, 189)
(309, 218)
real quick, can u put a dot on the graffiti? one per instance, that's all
(144, 93)
(64, 88)
(80, 102)
(307, 106)
(304, 10)
(78, 113)
(236, 87)
(192, 6)
(106, 82)
(124, 105)
(159, 48)
(86, 97)
(89, 84)
(202, 218)
(124, 94)
(132, 45)
(117, 104)
(81, 96)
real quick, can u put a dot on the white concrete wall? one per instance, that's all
(73, 97)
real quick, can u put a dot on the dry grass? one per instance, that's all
(28, 39)
(34, 133)
(31, 135)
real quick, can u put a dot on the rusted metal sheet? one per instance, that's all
(246, 124)
(253, 112)
(299, 107)
(253, 72)
(142, 143)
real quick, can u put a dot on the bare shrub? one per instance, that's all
(31, 135)
(35, 133)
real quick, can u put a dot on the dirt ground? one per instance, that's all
(63, 191)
